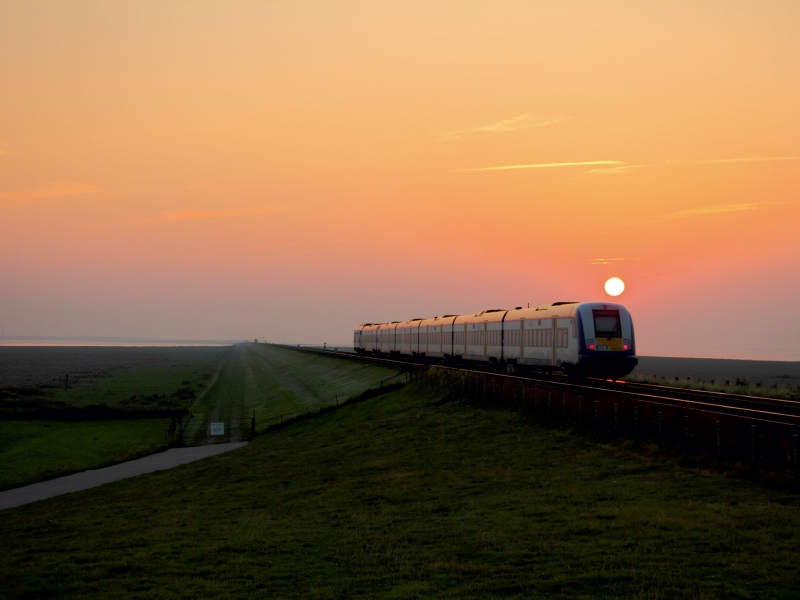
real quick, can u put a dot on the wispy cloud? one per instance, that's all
(192, 214)
(617, 169)
(544, 165)
(604, 261)
(504, 125)
(54, 191)
(678, 163)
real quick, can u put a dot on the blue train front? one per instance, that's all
(606, 342)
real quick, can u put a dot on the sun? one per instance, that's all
(615, 286)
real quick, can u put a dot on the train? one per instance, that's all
(582, 339)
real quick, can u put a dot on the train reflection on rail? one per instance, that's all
(580, 338)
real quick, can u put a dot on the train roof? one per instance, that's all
(552, 310)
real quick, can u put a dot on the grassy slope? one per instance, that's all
(33, 451)
(397, 497)
(275, 381)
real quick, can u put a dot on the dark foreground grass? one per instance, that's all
(32, 451)
(396, 497)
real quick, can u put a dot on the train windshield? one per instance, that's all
(606, 323)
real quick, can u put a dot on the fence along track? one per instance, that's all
(745, 429)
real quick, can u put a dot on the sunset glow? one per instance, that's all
(282, 170)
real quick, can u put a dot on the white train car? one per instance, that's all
(580, 338)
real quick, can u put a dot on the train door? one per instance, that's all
(485, 335)
(554, 342)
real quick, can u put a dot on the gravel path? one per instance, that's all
(93, 478)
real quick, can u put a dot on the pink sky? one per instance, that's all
(199, 170)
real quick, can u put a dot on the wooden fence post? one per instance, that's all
(686, 435)
(597, 415)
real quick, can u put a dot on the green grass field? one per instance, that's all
(152, 386)
(400, 496)
(32, 451)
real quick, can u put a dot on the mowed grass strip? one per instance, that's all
(398, 497)
(32, 451)
(275, 381)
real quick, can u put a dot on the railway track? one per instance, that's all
(733, 428)
(754, 407)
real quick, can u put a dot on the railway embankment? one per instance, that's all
(752, 435)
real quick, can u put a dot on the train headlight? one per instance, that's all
(625, 346)
(591, 346)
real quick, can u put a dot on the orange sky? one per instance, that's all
(290, 169)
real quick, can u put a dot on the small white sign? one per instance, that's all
(218, 429)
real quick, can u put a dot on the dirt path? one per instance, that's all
(89, 479)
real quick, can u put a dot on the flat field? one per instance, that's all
(127, 378)
(780, 379)
(32, 451)
(403, 496)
